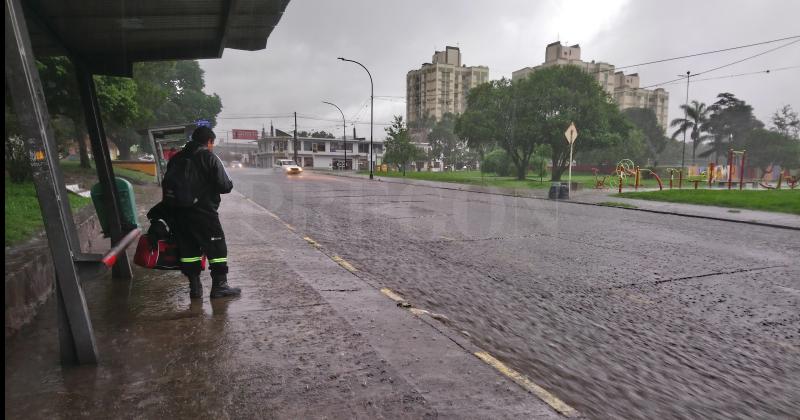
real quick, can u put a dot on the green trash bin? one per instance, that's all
(126, 202)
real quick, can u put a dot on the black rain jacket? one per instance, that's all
(210, 166)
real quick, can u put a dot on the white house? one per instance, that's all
(317, 153)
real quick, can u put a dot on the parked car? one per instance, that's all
(289, 166)
(147, 157)
(236, 164)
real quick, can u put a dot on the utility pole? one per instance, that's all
(685, 120)
(295, 140)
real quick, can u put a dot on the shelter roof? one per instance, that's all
(110, 35)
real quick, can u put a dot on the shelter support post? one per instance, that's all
(102, 160)
(76, 338)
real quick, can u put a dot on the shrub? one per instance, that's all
(17, 162)
(498, 162)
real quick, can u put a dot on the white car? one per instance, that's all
(289, 166)
(236, 164)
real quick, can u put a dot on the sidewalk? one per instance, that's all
(307, 339)
(692, 210)
(595, 197)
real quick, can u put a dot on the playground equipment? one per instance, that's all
(735, 156)
(625, 172)
(791, 181)
(723, 174)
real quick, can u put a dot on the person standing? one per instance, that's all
(192, 185)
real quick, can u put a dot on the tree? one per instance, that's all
(399, 149)
(767, 147)
(60, 88)
(552, 98)
(490, 119)
(730, 121)
(322, 135)
(653, 134)
(445, 143)
(786, 122)
(120, 110)
(169, 93)
(632, 146)
(695, 121)
(521, 115)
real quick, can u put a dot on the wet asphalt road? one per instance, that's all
(622, 314)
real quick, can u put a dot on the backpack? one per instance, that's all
(183, 184)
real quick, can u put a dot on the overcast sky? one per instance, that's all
(299, 69)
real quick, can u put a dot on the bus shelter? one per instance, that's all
(105, 38)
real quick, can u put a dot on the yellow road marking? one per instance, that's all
(447, 238)
(392, 295)
(273, 215)
(341, 261)
(529, 385)
(417, 311)
(312, 242)
(290, 227)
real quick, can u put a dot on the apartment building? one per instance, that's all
(441, 86)
(624, 89)
(628, 94)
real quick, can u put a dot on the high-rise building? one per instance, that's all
(623, 88)
(441, 86)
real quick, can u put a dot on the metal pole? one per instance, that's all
(741, 171)
(371, 112)
(685, 118)
(294, 141)
(76, 337)
(730, 168)
(569, 177)
(344, 131)
(105, 171)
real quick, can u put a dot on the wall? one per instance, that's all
(30, 278)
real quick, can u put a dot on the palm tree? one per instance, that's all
(695, 120)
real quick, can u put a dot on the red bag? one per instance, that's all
(164, 257)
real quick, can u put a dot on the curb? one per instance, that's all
(696, 216)
(585, 203)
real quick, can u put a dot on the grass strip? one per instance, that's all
(781, 201)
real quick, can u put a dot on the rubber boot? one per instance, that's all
(220, 288)
(195, 287)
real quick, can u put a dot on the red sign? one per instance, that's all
(245, 134)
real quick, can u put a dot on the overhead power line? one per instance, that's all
(726, 65)
(709, 52)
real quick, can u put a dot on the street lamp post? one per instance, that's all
(371, 110)
(344, 131)
(685, 120)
